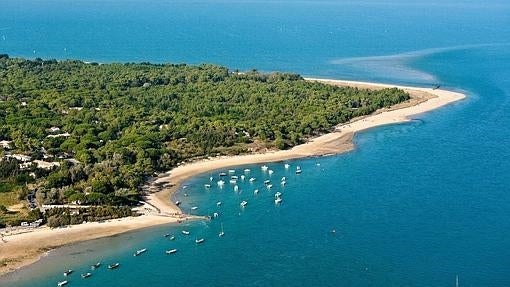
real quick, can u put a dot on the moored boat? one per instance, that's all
(231, 171)
(114, 266)
(252, 179)
(278, 200)
(171, 251)
(185, 232)
(246, 170)
(199, 241)
(243, 203)
(86, 275)
(95, 266)
(287, 165)
(62, 283)
(141, 251)
(68, 272)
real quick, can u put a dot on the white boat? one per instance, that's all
(234, 177)
(284, 178)
(171, 251)
(246, 170)
(298, 167)
(216, 214)
(243, 203)
(185, 232)
(233, 181)
(278, 200)
(269, 186)
(218, 203)
(220, 182)
(114, 266)
(207, 185)
(236, 188)
(264, 167)
(256, 191)
(284, 182)
(222, 232)
(267, 181)
(177, 203)
(252, 179)
(68, 272)
(141, 251)
(222, 174)
(231, 171)
(95, 266)
(243, 177)
(298, 171)
(199, 241)
(86, 275)
(194, 208)
(172, 237)
(211, 178)
(278, 194)
(318, 164)
(271, 171)
(62, 283)
(287, 165)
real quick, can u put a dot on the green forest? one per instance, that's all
(111, 126)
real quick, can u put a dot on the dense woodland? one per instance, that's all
(110, 126)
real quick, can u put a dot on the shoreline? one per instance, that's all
(338, 141)
(19, 250)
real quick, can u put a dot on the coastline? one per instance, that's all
(23, 249)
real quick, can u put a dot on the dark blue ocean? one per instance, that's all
(414, 204)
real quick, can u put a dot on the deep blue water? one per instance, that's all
(414, 204)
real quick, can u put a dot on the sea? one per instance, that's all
(424, 203)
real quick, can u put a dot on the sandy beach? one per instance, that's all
(23, 249)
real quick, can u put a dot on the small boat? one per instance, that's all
(243, 177)
(114, 266)
(256, 191)
(283, 182)
(231, 171)
(198, 241)
(211, 178)
(222, 174)
(298, 171)
(62, 283)
(68, 272)
(269, 186)
(284, 178)
(222, 232)
(243, 203)
(278, 194)
(246, 170)
(184, 186)
(236, 188)
(185, 232)
(95, 266)
(177, 203)
(287, 165)
(166, 235)
(207, 185)
(264, 167)
(278, 200)
(194, 208)
(233, 181)
(172, 237)
(318, 164)
(271, 171)
(216, 214)
(218, 203)
(234, 177)
(267, 181)
(220, 182)
(171, 251)
(86, 275)
(252, 179)
(141, 251)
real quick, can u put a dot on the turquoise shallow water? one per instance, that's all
(414, 204)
